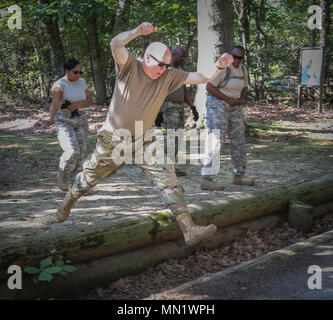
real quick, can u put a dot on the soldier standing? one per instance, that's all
(226, 96)
(172, 110)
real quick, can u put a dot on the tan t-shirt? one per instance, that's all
(137, 97)
(234, 87)
(177, 95)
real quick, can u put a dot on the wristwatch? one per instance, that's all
(219, 68)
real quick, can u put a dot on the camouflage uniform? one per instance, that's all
(173, 114)
(229, 120)
(72, 135)
(102, 164)
(173, 118)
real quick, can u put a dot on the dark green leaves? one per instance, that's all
(48, 269)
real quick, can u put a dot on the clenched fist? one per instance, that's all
(225, 60)
(146, 28)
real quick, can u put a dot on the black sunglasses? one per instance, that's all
(77, 72)
(238, 57)
(161, 64)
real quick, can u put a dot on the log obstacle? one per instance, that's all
(135, 232)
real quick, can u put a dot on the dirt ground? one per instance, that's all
(285, 145)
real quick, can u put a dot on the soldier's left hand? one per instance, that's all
(195, 113)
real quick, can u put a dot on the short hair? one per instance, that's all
(178, 49)
(70, 64)
(239, 47)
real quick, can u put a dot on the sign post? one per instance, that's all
(311, 73)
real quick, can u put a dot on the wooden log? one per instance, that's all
(130, 233)
(300, 215)
(322, 210)
(234, 209)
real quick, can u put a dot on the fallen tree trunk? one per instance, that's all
(130, 233)
(238, 208)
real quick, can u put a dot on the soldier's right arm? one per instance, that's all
(55, 105)
(118, 43)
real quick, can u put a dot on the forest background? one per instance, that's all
(272, 31)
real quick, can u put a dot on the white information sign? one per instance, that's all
(311, 60)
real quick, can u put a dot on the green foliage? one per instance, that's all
(47, 269)
(27, 72)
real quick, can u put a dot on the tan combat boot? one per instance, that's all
(62, 180)
(66, 206)
(207, 184)
(243, 180)
(194, 234)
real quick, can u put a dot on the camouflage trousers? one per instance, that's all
(173, 114)
(102, 164)
(173, 118)
(229, 120)
(72, 135)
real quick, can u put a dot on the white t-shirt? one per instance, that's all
(73, 91)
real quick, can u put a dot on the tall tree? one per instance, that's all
(262, 64)
(243, 12)
(323, 41)
(215, 36)
(52, 28)
(96, 59)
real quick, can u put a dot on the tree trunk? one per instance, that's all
(224, 25)
(324, 35)
(244, 23)
(131, 233)
(262, 42)
(57, 49)
(215, 36)
(96, 60)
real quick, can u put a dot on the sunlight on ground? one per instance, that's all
(287, 252)
(255, 161)
(327, 252)
(122, 197)
(26, 192)
(259, 146)
(19, 124)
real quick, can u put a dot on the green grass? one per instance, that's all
(276, 127)
(299, 148)
(34, 149)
